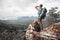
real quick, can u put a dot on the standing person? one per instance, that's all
(41, 14)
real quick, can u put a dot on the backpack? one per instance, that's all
(43, 14)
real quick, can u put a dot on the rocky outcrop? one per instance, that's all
(50, 33)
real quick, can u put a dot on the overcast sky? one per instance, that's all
(17, 8)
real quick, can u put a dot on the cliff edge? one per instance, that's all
(52, 32)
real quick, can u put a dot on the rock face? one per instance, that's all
(50, 33)
(55, 29)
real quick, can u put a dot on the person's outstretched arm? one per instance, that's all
(37, 7)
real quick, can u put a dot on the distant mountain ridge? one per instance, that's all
(16, 18)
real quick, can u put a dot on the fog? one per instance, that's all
(11, 9)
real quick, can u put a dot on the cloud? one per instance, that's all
(15, 8)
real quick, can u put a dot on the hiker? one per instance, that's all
(41, 14)
(36, 29)
(34, 26)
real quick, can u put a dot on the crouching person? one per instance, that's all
(36, 30)
(36, 26)
(33, 31)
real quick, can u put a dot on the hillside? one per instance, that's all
(12, 31)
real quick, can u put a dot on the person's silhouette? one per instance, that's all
(41, 14)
